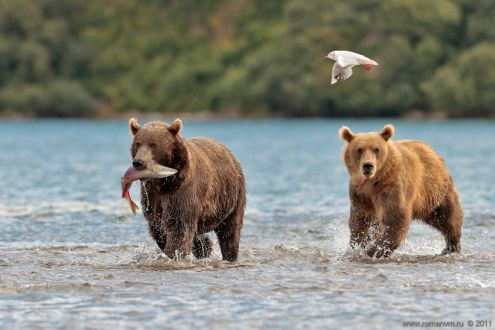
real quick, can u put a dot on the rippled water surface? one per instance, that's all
(73, 256)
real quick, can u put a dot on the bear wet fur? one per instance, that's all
(207, 193)
(393, 182)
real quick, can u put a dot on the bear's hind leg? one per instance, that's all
(229, 233)
(202, 247)
(448, 218)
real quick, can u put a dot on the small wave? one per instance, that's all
(359, 255)
(62, 207)
(105, 257)
(77, 287)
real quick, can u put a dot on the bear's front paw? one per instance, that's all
(356, 245)
(451, 249)
(378, 252)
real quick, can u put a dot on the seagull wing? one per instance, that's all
(366, 61)
(343, 61)
(340, 72)
(352, 58)
(361, 59)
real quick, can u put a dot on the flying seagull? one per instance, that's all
(344, 61)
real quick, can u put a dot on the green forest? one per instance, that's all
(85, 58)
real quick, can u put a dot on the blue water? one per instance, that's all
(72, 255)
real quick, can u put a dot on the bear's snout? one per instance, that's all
(368, 168)
(138, 164)
(142, 158)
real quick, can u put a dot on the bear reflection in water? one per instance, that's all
(393, 182)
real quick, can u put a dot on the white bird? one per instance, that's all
(344, 61)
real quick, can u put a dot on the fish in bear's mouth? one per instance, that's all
(152, 171)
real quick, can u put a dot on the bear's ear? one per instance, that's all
(387, 132)
(175, 127)
(133, 126)
(345, 134)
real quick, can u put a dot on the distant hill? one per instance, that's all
(72, 58)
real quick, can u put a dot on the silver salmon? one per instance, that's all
(154, 171)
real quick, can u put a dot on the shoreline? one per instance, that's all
(212, 116)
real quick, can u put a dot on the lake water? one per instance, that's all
(73, 256)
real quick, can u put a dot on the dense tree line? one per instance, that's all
(90, 57)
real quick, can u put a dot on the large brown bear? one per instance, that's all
(393, 182)
(207, 193)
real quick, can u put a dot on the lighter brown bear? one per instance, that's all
(393, 182)
(208, 192)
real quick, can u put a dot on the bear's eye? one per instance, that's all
(376, 150)
(138, 144)
(152, 145)
(360, 151)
